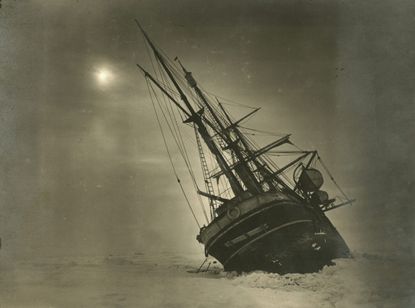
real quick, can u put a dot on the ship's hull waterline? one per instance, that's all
(273, 233)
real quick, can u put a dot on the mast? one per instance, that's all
(255, 156)
(258, 153)
(242, 168)
(147, 74)
(196, 118)
(261, 168)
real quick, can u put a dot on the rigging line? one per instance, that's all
(226, 189)
(170, 157)
(180, 135)
(172, 117)
(169, 125)
(173, 69)
(208, 183)
(226, 99)
(244, 118)
(219, 115)
(187, 162)
(167, 88)
(166, 85)
(166, 57)
(331, 177)
(265, 158)
(191, 169)
(173, 131)
(279, 154)
(288, 152)
(184, 151)
(283, 174)
(213, 166)
(149, 53)
(212, 106)
(297, 147)
(219, 111)
(262, 131)
(199, 103)
(169, 62)
(256, 134)
(175, 137)
(179, 78)
(181, 150)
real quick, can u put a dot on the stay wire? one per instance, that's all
(331, 177)
(178, 133)
(187, 162)
(178, 137)
(181, 145)
(169, 155)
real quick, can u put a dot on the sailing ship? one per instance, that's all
(262, 215)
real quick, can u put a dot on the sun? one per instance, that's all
(104, 76)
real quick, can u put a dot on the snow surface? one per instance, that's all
(169, 281)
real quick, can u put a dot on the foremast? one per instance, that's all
(244, 172)
(196, 118)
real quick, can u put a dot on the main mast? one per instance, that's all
(243, 170)
(196, 118)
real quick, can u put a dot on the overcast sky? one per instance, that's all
(84, 170)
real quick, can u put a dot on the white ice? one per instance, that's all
(167, 281)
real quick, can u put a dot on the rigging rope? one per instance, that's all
(176, 133)
(265, 133)
(230, 102)
(265, 158)
(169, 155)
(183, 153)
(331, 177)
(173, 93)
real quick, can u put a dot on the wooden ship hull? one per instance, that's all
(273, 233)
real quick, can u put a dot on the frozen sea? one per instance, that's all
(169, 280)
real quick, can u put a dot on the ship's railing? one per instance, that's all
(238, 210)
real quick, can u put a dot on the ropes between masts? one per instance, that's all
(332, 178)
(168, 108)
(178, 138)
(168, 151)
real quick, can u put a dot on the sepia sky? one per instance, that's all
(84, 170)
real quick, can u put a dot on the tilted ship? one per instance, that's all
(262, 215)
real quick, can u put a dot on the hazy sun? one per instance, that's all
(103, 76)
